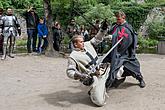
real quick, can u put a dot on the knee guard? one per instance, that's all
(4, 43)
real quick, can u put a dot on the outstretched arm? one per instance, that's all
(100, 35)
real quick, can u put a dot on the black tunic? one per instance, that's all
(124, 53)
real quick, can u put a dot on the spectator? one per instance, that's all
(42, 34)
(84, 33)
(94, 30)
(72, 30)
(32, 20)
(57, 36)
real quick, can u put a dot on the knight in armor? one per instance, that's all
(11, 29)
(123, 57)
(83, 59)
(1, 27)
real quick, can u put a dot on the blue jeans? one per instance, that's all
(32, 38)
(41, 47)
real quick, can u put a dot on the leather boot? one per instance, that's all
(117, 82)
(141, 82)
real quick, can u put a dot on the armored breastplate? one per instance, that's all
(9, 24)
(9, 21)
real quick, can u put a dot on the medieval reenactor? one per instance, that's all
(123, 59)
(11, 29)
(83, 60)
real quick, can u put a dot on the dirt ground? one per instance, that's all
(40, 83)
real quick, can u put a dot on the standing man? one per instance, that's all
(1, 28)
(94, 30)
(72, 29)
(83, 60)
(123, 59)
(57, 36)
(11, 28)
(32, 21)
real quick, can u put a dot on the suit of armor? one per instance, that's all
(11, 28)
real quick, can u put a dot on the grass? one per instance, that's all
(21, 46)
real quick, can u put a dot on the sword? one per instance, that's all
(104, 56)
(93, 70)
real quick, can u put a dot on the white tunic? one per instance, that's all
(84, 60)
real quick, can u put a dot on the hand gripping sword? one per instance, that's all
(104, 56)
(93, 70)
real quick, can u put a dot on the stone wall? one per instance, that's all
(22, 22)
(156, 14)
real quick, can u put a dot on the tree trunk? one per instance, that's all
(48, 15)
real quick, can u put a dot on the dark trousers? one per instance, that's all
(1, 44)
(128, 72)
(40, 46)
(56, 45)
(32, 39)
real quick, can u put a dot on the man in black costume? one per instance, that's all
(32, 21)
(123, 60)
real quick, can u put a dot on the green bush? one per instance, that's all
(156, 29)
(100, 11)
(146, 42)
(136, 13)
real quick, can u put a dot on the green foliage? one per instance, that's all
(136, 13)
(63, 11)
(152, 1)
(21, 4)
(146, 42)
(21, 42)
(66, 40)
(156, 29)
(100, 11)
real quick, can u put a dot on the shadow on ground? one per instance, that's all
(66, 98)
(126, 85)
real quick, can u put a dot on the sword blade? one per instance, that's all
(104, 56)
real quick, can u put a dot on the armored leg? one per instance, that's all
(11, 46)
(5, 44)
